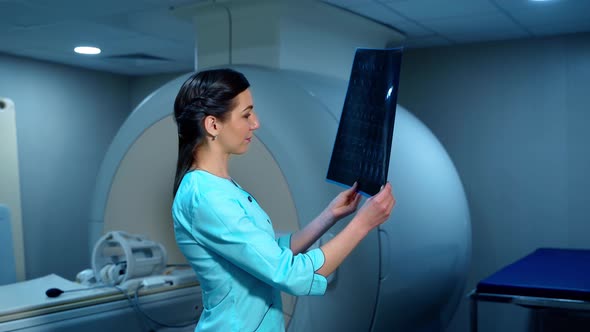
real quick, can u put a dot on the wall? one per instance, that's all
(65, 119)
(513, 117)
(304, 35)
(142, 86)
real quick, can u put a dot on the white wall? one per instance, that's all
(513, 116)
(142, 86)
(323, 39)
(304, 35)
(65, 119)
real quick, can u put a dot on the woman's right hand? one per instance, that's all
(377, 209)
(373, 213)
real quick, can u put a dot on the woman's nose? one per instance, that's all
(255, 124)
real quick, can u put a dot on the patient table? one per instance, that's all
(552, 279)
(25, 306)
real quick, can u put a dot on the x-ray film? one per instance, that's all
(363, 142)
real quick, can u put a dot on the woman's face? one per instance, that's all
(237, 131)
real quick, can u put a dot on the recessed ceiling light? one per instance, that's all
(87, 50)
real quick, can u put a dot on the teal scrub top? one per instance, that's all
(230, 243)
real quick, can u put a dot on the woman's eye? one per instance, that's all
(247, 115)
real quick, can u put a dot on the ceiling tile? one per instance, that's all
(425, 41)
(346, 3)
(128, 67)
(159, 23)
(542, 17)
(385, 15)
(152, 46)
(71, 34)
(18, 13)
(168, 25)
(49, 29)
(477, 27)
(436, 9)
(76, 9)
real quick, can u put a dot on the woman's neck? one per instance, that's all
(213, 162)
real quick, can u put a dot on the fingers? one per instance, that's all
(351, 192)
(377, 208)
(385, 198)
(384, 191)
(391, 202)
(390, 205)
(357, 199)
(353, 201)
(354, 187)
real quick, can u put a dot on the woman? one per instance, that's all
(223, 232)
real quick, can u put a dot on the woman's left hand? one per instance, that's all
(344, 204)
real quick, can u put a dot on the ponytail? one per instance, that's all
(186, 158)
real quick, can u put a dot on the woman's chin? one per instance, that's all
(241, 151)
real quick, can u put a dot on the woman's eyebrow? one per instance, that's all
(248, 108)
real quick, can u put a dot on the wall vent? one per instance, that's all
(136, 56)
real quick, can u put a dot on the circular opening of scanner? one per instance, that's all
(285, 170)
(138, 206)
(140, 192)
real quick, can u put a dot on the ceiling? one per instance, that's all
(141, 37)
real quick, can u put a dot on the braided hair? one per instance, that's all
(205, 93)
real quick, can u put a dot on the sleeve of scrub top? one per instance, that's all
(285, 241)
(222, 225)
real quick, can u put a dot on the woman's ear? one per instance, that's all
(212, 125)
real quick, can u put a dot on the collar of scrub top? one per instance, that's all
(250, 196)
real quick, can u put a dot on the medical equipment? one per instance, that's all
(407, 276)
(119, 256)
(8, 271)
(546, 280)
(135, 291)
(12, 253)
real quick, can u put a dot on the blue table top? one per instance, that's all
(547, 272)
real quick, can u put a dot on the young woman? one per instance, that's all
(225, 234)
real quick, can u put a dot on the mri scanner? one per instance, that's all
(407, 276)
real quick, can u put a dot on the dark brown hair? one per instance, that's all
(209, 92)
